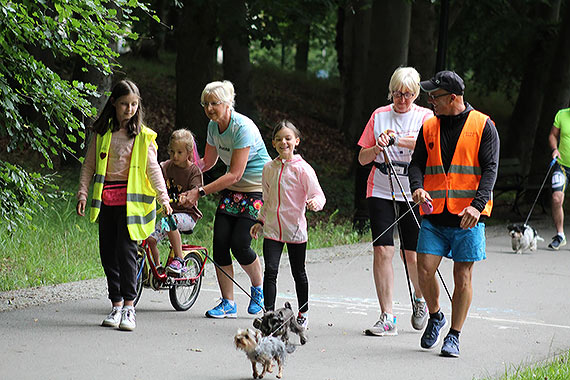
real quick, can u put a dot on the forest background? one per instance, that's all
(323, 64)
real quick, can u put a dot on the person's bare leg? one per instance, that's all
(254, 272)
(427, 266)
(383, 272)
(152, 244)
(226, 285)
(176, 243)
(462, 294)
(412, 264)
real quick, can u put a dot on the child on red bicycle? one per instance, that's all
(181, 174)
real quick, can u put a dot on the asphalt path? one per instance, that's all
(519, 315)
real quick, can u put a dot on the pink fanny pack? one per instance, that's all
(114, 194)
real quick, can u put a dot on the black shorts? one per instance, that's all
(381, 213)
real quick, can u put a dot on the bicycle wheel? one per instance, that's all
(183, 296)
(140, 274)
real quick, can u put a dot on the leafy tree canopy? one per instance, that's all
(38, 105)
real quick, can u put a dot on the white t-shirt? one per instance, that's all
(404, 125)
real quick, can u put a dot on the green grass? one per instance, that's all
(556, 368)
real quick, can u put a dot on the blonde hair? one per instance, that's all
(223, 91)
(184, 136)
(404, 77)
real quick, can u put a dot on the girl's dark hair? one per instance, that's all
(102, 124)
(285, 124)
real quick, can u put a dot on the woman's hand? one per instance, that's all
(80, 208)
(255, 230)
(189, 198)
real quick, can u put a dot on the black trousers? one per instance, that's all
(272, 255)
(118, 253)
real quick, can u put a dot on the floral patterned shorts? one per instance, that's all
(245, 205)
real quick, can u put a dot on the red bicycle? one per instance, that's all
(183, 290)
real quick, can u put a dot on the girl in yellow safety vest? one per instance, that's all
(122, 161)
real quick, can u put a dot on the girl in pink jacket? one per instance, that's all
(289, 186)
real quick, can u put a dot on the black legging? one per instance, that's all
(272, 255)
(232, 232)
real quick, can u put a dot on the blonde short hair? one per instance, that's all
(184, 136)
(404, 77)
(223, 91)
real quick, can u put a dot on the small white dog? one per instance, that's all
(523, 237)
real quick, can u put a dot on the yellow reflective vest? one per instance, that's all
(141, 205)
(460, 184)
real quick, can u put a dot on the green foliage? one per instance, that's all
(38, 106)
(22, 192)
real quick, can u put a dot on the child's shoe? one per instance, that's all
(114, 318)
(175, 267)
(128, 319)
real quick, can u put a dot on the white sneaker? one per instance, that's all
(114, 317)
(128, 319)
(383, 327)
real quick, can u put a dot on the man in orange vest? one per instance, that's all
(454, 166)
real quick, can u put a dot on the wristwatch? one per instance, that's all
(201, 191)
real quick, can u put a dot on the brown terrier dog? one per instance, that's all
(261, 350)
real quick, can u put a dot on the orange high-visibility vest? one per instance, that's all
(460, 184)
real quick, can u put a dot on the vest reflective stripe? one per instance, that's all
(137, 219)
(459, 185)
(102, 143)
(140, 198)
(141, 205)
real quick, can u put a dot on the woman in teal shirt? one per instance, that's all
(236, 140)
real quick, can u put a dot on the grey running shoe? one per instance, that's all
(383, 327)
(431, 335)
(450, 346)
(420, 314)
(557, 242)
(114, 317)
(128, 319)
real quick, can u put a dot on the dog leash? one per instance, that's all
(540, 190)
(389, 162)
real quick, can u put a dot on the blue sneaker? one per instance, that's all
(450, 346)
(223, 310)
(256, 302)
(431, 334)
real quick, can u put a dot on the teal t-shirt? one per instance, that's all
(241, 133)
(562, 122)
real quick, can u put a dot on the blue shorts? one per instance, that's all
(560, 177)
(452, 242)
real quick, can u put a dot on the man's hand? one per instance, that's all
(469, 217)
(420, 196)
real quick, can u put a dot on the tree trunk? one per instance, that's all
(235, 44)
(526, 113)
(302, 53)
(423, 41)
(388, 49)
(558, 93)
(196, 49)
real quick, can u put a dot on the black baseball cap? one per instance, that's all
(446, 80)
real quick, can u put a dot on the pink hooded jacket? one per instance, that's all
(287, 185)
